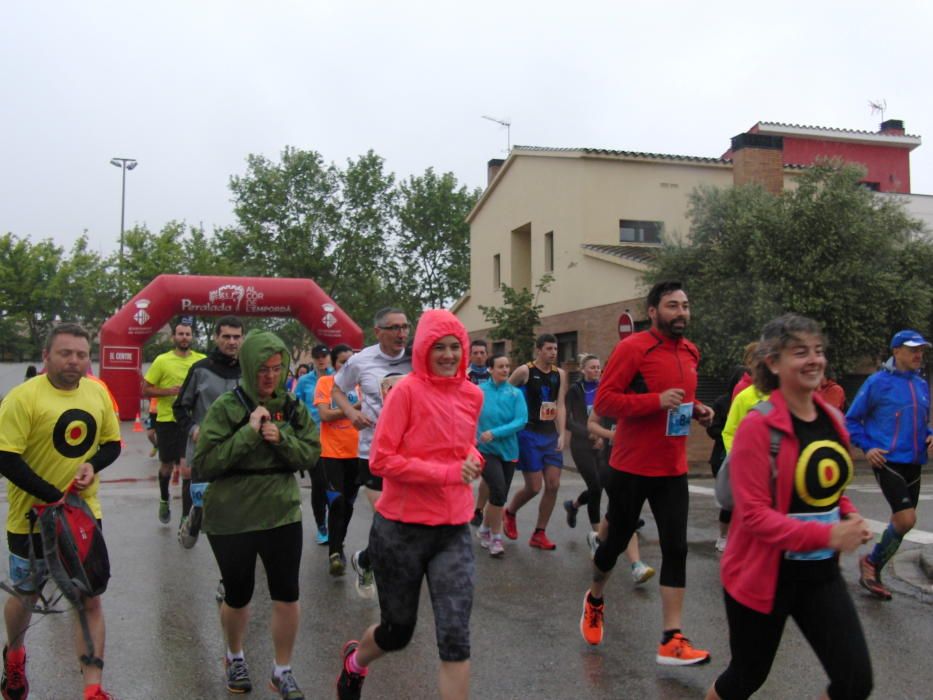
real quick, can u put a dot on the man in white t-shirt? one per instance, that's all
(367, 369)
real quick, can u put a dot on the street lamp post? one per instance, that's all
(124, 164)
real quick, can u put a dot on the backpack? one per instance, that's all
(75, 554)
(723, 486)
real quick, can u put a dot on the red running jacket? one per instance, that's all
(640, 368)
(426, 430)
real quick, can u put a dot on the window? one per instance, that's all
(566, 348)
(640, 231)
(496, 271)
(498, 347)
(549, 251)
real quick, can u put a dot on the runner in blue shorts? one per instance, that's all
(541, 443)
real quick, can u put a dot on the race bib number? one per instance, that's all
(678, 420)
(548, 411)
(829, 517)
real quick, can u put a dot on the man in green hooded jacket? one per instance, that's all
(253, 440)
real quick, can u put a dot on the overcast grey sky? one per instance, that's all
(190, 87)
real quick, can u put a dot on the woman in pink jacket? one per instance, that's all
(791, 521)
(424, 450)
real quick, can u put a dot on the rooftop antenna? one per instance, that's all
(508, 130)
(878, 106)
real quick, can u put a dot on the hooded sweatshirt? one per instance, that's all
(253, 486)
(426, 430)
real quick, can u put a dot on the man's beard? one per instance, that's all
(668, 327)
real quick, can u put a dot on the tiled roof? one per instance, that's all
(833, 129)
(635, 253)
(626, 154)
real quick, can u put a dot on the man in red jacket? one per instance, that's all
(649, 387)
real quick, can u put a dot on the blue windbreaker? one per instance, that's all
(892, 411)
(504, 414)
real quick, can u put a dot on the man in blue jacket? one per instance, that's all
(889, 420)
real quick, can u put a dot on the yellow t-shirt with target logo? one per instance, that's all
(55, 431)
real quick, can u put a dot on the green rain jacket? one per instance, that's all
(253, 485)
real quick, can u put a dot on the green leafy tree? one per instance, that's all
(433, 242)
(517, 318)
(829, 249)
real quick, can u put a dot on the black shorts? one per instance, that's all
(900, 484)
(171, 441)
(365, 477)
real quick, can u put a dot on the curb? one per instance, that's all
(909, 569)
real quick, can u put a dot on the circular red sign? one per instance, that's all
(626, 325)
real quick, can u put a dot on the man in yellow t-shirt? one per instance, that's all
(164, 380)
(56, 429)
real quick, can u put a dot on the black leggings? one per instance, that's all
(318, 494)
(595, 472)
(498, 474)
(341, 495)
(669, 501)
(280, 551)
(825, 615)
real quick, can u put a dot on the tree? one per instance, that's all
(829, 249)
(434, 239)
(517, 318)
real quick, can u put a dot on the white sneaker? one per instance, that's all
(496, 548)
(484, 537)
(641, 572)
(593, 541)
(721, 544)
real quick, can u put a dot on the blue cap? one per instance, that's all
(908, 337)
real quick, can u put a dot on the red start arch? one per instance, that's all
(122, 336)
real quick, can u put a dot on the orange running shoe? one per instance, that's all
(509, 526)
(870, 579)
(680, 652)
(591, 621)
(541, 541)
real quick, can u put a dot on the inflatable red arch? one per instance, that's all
(123, 335)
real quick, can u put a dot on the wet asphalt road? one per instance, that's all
(164, 638)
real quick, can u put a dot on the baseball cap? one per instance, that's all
(908, 337)
(320, 350)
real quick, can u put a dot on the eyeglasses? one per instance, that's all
(397, 328)
(271, 370)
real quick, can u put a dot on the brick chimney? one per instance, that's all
(492, 169)
(892, 127)
(758, 158)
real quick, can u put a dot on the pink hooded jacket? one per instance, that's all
(761, 531)
(426, 430)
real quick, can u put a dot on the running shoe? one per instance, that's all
(680, 652)
(496, 548)
(237, 675)
(593, 542)
(540, 540)
(721, 543)
(484, 537)
(338, 564)
(870, 579)
(286, 686)
(190, 527)
(477, 519)
(321, 536)
(365, 581)
(591, 621)
(165, 513)
(641, 572)
(571, 513)
(220, 593)
(154, 451)
(13, 682)
(509, 526)
(349, 684)
(95, 692)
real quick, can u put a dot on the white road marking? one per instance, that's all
(876, 526)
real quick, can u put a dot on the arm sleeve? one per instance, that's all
(612, 400)
(750, 474)
(106, 455)
(15, 469)
(385, 459)
(576, 413)
(183, 408)
(519, 417)
(858, 414)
